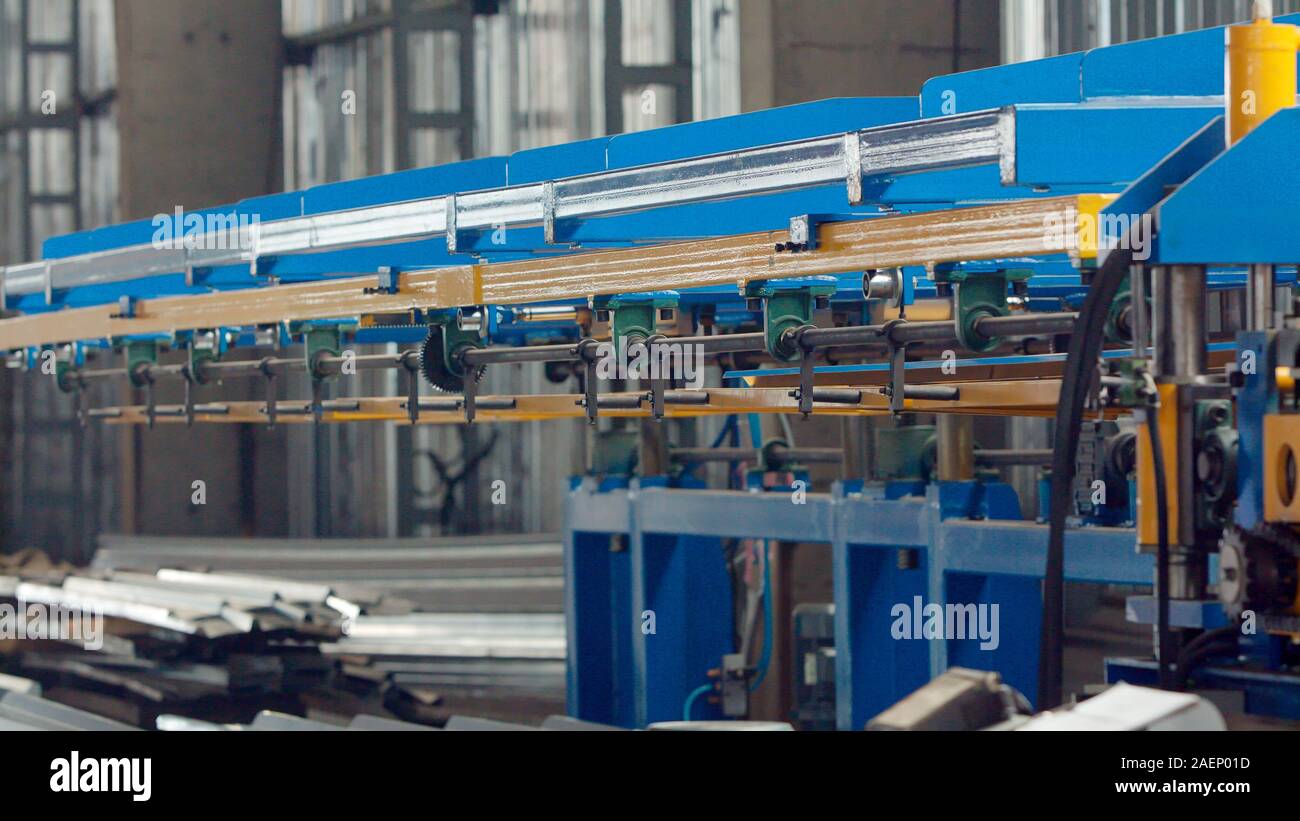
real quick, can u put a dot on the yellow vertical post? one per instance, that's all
(1260, 71)
(1148, 522)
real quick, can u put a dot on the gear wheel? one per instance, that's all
(1258, 570)
(433, 365)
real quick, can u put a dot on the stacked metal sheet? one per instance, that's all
(497, 574)
(465, 651)
(19, 711)
(279, 722)
(268, 720)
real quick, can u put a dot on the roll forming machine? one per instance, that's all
(1103, 238)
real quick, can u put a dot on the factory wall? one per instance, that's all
(58, 172)
(794, 51)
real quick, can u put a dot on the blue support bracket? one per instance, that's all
(1239, 208)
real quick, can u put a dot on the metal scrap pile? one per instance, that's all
(336, 640)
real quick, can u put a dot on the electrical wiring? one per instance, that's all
(765, 657)
(692, 698)
(1163, 645)
(1085, 348)
(1219, 641)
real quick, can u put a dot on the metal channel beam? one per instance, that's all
(978, 138)
(590, 511)
(1093, 554)
(889, 523)
(743, 514)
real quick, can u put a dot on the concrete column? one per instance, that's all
(198, 103)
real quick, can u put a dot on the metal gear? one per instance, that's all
(1258, 570)
(433, 365)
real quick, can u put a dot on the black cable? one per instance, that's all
(1192, 651)
(1187, 662)
(1163, 647)
(1085, 348)
(1227, 631)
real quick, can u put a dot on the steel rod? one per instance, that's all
(955, 459)
(778, 454)
(811, 338)
(1012, 457)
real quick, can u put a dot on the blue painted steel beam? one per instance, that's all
(1109, 143)
(737, 514)
(1103, 555)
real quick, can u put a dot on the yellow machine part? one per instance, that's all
(1088, 223)
(1147, 520)
(1285, 377)
(1281, 443)
(1280, 459)
(1261, 76)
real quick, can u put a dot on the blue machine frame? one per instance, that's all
(973, 549)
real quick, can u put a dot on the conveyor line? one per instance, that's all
(1001, 231)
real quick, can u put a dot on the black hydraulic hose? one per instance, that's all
(1085, 348)
(1210, 643)
(1188, 662)
(1228, 631)
(1163, 647)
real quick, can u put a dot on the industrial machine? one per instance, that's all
(1105, 239)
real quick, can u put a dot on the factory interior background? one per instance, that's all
(118, 110)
